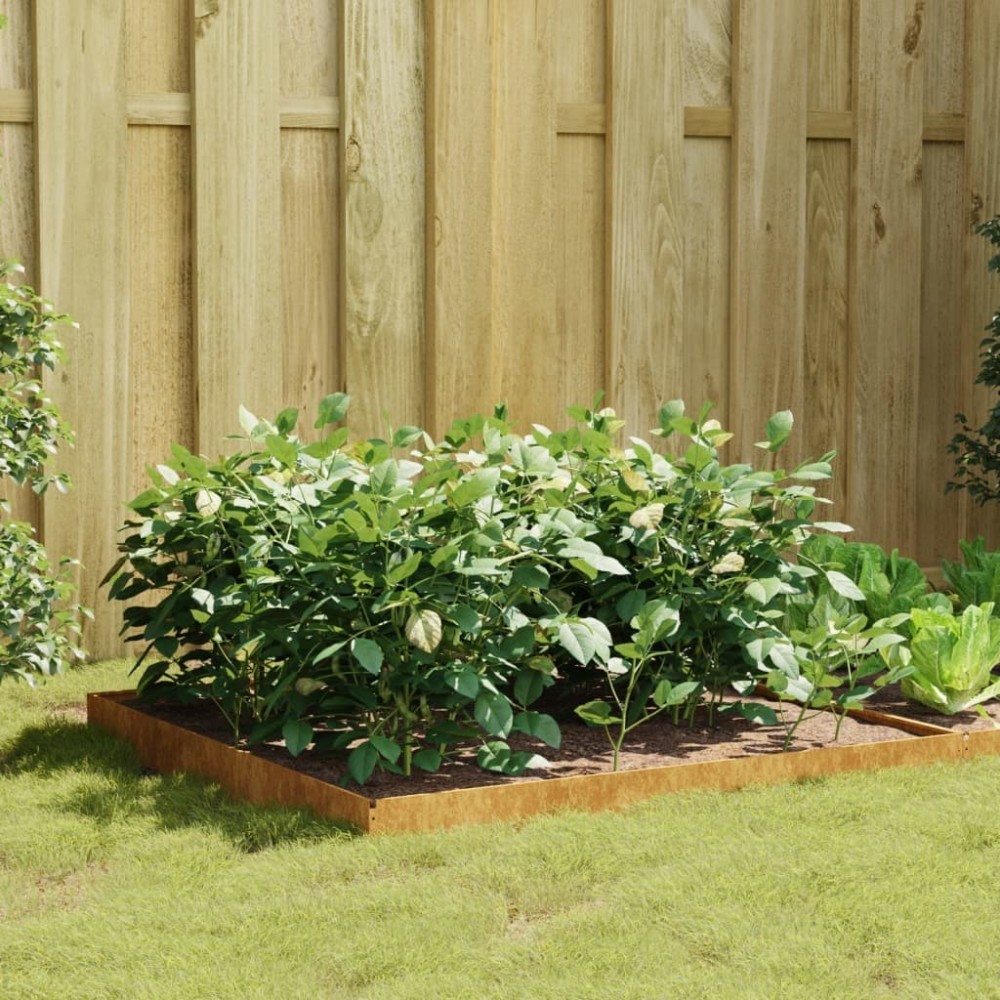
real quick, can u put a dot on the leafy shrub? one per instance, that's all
(976, 579)
(977, 465)
(337, 594)
(39, 628)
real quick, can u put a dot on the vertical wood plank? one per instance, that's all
(646, 206)
(940, 359)
(310, 199)
(83, 266)
(17, 189)
(161, 337)
(982, 181)
(708, 185)
(237, 215)
(579, 205)
(828, 188)
(460, 211)
(769, 210)
(525, 348)
(708, 81)
(885, 275)
(382, 227)
(707, 172)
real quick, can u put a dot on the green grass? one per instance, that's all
(114, 884)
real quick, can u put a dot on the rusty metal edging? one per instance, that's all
(169, 748)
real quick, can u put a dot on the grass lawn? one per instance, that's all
(115, 884)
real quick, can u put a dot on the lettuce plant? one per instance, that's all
(953, 658)
(976, 579)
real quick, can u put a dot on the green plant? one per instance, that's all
(976, 579)
(952, 658)
(39, 627)
(977, 449)
(338, 594)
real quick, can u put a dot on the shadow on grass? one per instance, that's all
(110, 785)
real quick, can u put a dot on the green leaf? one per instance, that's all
(282, 449)
(251, 425)
(404, 570)
(383, 478)
(368, 653)
(427, 759)
(466, 618)
(389, 749)
(297, 736)
(666, 695)
(493, 713)
(597, 713)
(779, 429)
(591, 554)
(528, 686)
(532, 577)
(763, 715)
(361, 762)
(540, 726)
(497, 756)
(465, 681)
(423, 630)
(475, 484)
(844, 585)
(286, 420)
(333, 409)
(405, 436)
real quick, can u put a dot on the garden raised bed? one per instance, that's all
(167, 747)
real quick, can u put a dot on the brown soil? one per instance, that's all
(583, 751)
(891, 699)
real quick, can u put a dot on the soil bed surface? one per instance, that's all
(891, 699)
(583, 751)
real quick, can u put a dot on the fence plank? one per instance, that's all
(460, 210)
(382, 215)
(237, 215)
(888, 104)
(526, 349)
(646, 206)
(769, 201)
(83, 266)
(579, 202)
(310, 196)
(982, 182)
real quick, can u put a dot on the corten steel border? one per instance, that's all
(166, 747)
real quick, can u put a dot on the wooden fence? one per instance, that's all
(437, 204)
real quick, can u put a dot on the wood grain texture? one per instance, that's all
(943, 28)
(580, 210)
(17, 106)
(158, 46)
(769, 212)
(309, 50)
(982, 191)
(885, 274)
(645, 207)
(309, 223)
(827, 332)
(940, 386)
(382, 212)
(830, 55)
(16, 47)
(707, 179)
(161, 387)
(237, 216)
(17, 241)
(526, 358)
(708, 53)
(459, 211)
(83, 266)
